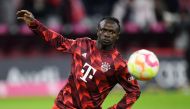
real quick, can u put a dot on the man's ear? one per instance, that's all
(97, 30)
(118, 36)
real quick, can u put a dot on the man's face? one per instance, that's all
(108, 32)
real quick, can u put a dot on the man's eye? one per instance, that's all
(102, 30)
(112, 32)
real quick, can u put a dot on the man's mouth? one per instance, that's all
(106, 41)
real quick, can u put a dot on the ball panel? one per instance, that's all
(132, 68)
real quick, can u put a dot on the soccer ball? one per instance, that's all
(143, 64)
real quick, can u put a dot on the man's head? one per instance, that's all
(108, 31)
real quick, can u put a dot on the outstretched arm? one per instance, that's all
(56, 40)
(131, 87)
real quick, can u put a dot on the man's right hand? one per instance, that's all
(26, 16)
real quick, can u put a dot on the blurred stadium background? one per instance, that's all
(32, 72)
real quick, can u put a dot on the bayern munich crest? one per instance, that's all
(105, 66)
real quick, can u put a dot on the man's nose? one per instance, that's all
(107, 34)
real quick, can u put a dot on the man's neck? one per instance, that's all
(104, 47)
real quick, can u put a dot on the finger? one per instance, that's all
(22, 12)
(20, 18)
(27, 16)
(25, 11)
(17, 12)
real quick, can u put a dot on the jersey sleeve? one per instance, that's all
(56, 40)
(131, 87)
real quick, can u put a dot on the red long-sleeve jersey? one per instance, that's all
(94, 73)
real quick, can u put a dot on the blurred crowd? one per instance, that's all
(82, 15)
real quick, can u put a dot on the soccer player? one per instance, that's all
(97, 66)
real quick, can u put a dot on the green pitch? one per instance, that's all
(148, 100)
(155, 100)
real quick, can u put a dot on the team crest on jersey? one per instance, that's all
(84, 55)
(105, 66)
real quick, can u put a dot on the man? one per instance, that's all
(96, 66)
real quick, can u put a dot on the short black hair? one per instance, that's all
(111, 19)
